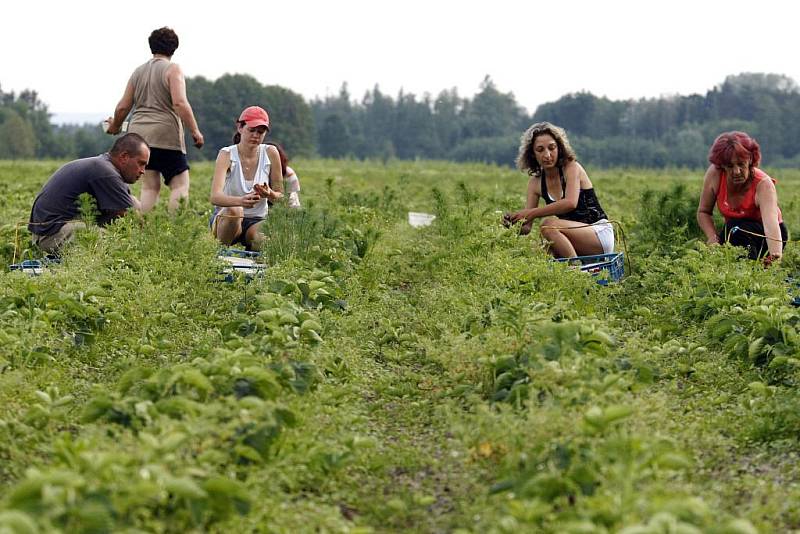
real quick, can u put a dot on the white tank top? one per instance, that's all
(237, 186)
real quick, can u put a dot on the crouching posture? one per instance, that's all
(240, 188)
(573, 222)
(55, 214)
(745, 196)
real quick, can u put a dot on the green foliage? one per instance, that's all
(671, 131)
(385, 377)
(217, 104)
(293, 233)
(17, 138)
(666, 219)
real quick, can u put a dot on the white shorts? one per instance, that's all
(605, 233)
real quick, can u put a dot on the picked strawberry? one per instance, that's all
(261, 189)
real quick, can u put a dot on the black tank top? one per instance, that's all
(588, 210)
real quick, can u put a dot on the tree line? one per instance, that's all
(655, 132)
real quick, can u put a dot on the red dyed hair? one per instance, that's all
(728, 144)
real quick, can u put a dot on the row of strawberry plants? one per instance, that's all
(171, 449)
(558, 402)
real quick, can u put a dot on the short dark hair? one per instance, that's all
(130, 142)
(163, 41)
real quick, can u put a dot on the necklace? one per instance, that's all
(248, 160)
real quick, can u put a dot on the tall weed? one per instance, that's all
(667, 220)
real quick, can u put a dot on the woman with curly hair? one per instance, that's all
(745, 196)
(573, 223)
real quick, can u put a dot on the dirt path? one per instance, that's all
(420, 477)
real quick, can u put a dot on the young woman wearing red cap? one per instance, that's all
(241, 185)
(745, 196)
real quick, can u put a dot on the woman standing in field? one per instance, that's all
(156, 91)
(745, 196)
(573, 222)
(241, 188)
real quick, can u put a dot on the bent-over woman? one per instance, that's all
(745, 196)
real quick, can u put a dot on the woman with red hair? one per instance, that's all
(744, 195)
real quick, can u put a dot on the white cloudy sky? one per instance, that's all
(78, 55)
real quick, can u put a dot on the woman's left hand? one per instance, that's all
(265, 191)
(521, 215)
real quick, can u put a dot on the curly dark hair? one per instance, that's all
(526, 160)
(163, 41)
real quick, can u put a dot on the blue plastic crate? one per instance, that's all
(613, 264)
(35, 267)
(794, 290)
(240, 262)
(239, 253)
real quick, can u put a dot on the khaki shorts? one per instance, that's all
(52, 243)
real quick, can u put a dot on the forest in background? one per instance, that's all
(669, 131)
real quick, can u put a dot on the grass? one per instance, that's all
(384, 378)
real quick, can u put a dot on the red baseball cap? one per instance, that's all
(254, 116)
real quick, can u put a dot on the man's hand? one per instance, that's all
(199, 141)
(108, 126)
(136, 204)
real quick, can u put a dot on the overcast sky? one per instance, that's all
(78, 55)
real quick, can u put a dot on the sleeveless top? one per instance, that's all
(588, 210)
(153, 117)
(747, 208)
(237, 186)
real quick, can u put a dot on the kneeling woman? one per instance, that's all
(745, 196)
(573, 222)
(240, 188)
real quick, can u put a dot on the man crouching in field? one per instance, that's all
(105, 177)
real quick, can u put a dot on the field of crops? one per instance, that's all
(384, 378)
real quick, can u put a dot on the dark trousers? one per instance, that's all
(736, 233)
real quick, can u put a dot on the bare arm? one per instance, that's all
(705, 209)
(218, 196)
(180, 103)
(767, 202)
(137, 206)
(275, 173)
(532, 198)
(123, 108)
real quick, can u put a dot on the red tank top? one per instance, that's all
(747, 208)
